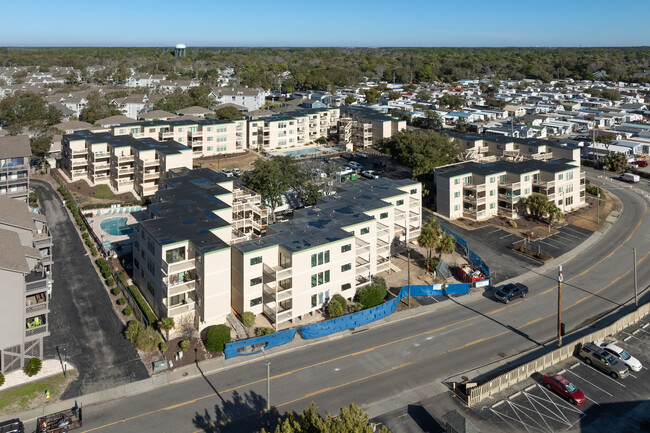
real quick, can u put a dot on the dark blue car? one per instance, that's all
(511, 291)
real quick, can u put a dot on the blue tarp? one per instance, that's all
(272, 340)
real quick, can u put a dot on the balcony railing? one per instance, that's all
(151, 175)
(185, 286)
(282, 294)
(382, 229)
(80, 152)
(40, 285)
(363, 266)
(125, 158)
(278, 273)
(363, 247)
(34, 308)
(180, 308)
(282, 314)
(151, 163)
(36, 330)
(178, 267)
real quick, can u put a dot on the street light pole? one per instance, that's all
(560, 278)
(268, 383)
(636, 301)
(408, 256)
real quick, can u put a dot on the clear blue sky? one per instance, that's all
(326, 23)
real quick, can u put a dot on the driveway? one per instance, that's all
(82, 320)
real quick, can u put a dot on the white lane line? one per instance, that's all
(595, 386)
(593, 401)
(632, 375)
(506, 236)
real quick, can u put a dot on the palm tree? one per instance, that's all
(446, 244)
(166, 323)
(554, 213)
(429, 237)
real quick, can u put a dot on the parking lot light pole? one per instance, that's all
(560, 278)
(636, 301)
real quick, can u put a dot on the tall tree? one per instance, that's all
(98, 107)
(372, 95)
(25, 108)
(174, 101)
(228, 113)
(616, 162)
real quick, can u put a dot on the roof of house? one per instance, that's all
(194, 110)
(156, 114)
(14, 253)
(114, 120)
(14, 146)
(73, 125)
(230, 104)
(16, 213)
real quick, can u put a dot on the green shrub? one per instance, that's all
(86, 236)
(355, 308)
(133, 328)
(127, 311)
(116, 290)
(184, 345)
(148, 340)
(248, 318)
(93, 252)
(263, 330)
(373, 294)
(163, 346)
(121, 301)
(32, 367)
(337, 306)
(100, 262)
(216, 338)
(110, 282)
(2, 379)
(151, 318)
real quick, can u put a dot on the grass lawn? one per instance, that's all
(31, 395)
(103, 191)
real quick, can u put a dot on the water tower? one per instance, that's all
(180, 50)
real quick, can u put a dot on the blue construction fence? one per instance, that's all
(339, 324)
(472, 257)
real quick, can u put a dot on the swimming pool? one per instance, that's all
(116, 226)
(308, 151)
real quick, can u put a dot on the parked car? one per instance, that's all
(380, 163)
(347, 156)
(564, 387)
(603, 360)
(362, 154)
(511, 291)
(631, 362)
(355, 165)
(228, 173)
(639, 163)
(12, 426)
(236, 171)
(370, 174)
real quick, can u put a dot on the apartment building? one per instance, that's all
(331, 248)
(481, 191)
(181, 255)
(26, 283)
(291, 129)
(364, 126)
(15, 154)
(124, 162)
(251, 98)
(206, 137)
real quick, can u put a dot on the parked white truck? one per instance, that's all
(630, 177)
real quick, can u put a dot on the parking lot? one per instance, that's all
(567, 238)
(611, 404)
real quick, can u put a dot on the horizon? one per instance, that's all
(296, 24)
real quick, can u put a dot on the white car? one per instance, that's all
(631, 362)
(227, 173)
(370, 174)
(362, 154)
(355, 165)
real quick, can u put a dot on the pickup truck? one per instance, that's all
(12, 426)
(59, 422)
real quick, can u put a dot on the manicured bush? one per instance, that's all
(184, 345)
(93, 252)
(100, 262)
(163, 346)
(32, 367)
(263, 330)
(127, 311)
(139, 299)
(373, 294)
(121, 301)
(216, 338)
(148, 340)
(86, 236)
(116, 290)
(337, 306)
(133, 328)
(355, 308)
(248, 318)
(110, 282)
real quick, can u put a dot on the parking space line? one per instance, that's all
(595, 386)
(593, 401)
(634, 336)
(506, 236)
(633, 375)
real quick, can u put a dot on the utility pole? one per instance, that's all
(598, 207)
(560, 278)
(408, 256)
(268, 384)
(636, 301)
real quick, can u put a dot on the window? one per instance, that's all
(527, 178)
(209, 128)
(569, 201)
(327, 256)
(346, 267)
(467, 180)
(456, 181)
(399, 202)
(383, 216)
(175, 300)
(346, 286)
(314, 281)
(210, 138)
(560, 177)
(320, 258)
(457, 207)
(346, 248)
(569, 176)
(492, 192)
(365, 230)
(313, 301)
(492, 179)
(569, 188)
(320, 278)
(136, 263)
(152, 129)
(503, 178)
(173, 255)
(457, 194)
(313, 260)
(256, 260)
(560, 190)
(491, 205)
(256, 281)
(414, 191)
(210, 148)
(256, 301)
(180, 129)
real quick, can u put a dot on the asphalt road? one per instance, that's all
(82, 321)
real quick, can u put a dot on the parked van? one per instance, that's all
(630, 177)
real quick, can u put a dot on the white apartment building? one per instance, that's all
(364, 126)
(292, 129)
(334, 247)
(251, 98)
(15, 154)
(481, 191)
(25, 282)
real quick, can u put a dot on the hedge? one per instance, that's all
(144, 306)
(216, 338)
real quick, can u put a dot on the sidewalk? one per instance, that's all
(221, 364)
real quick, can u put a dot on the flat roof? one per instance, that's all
(521, 167)
(168, 147)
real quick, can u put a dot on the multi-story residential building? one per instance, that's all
(291, 129)
(26, 283)
(181, 256)
(250, 98)
(364, 126)
(331, 248)
(124, 162)
(15, 153)
(481, 191)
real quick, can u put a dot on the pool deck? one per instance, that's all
(100, 215)
(303, 152)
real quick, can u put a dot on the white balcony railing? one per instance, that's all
(177, 267)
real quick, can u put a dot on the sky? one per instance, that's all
(351, 23)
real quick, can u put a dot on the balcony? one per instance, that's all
(278, 315)
(362, 247)
(166, 135)
(382, 229)
(35, 325)
(151, 163)
(278, 273)
(126, 170)
(474, 188)
(35, 282)
(510, 185)
(178, 267)
(510, 198)
(362, 281)
(36, 303)
(79, 161)
(185, 286)
(185, 307)
(151, 175)
(583, 176)
(80, 152)
(414, 218)
(97, 166)
(195, 134)
(42, 239)
(282, 293)
(363, 266)
(414, 203)
(399, 214)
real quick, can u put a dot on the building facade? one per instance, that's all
(26, 283)
(15, 154)
(364, 126)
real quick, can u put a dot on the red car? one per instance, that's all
(640, 163)
(564, 387)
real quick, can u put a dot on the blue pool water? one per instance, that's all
(116, 226)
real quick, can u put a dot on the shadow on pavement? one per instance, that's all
(243, 413)
(423, 419)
